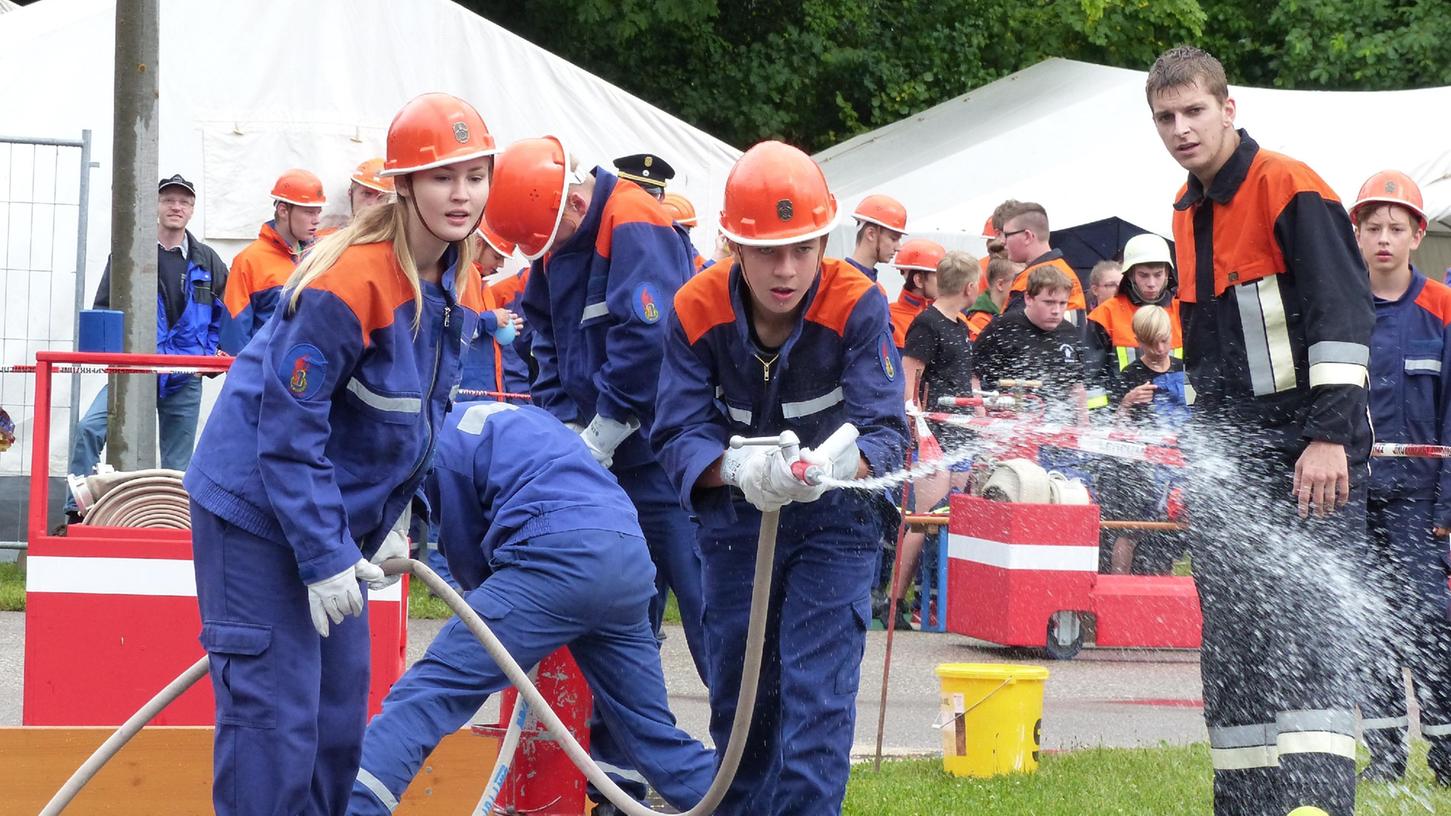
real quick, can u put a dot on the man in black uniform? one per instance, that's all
(1036, 343)
(1277, 320)
(647, 170)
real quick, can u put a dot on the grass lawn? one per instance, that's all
(1123, 782)
(12, 588)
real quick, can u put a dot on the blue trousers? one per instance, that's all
(670, 535)
(798, 755)
(1409, 568)
(588, 590)
(176, 419)
(291, 706)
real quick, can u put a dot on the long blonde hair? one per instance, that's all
(385, 222)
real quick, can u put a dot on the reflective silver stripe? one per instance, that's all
(1242, 736)
(1266, 336)
(1316, 742)
(1338, 374)
(1336, 351)
(1337, 720)
(740, 415)
(400, 405)
(622, 773)
(1424, 365)
(479, 412)
(376, 787)
(1240, 759)
(1377, 723)
(805, 408)
(1435, 730)
(594, 310)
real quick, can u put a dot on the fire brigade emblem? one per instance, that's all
(303, 370)
(461, 132)
(1391, 187)
(784, 210)
(646, 303)
(884, 356)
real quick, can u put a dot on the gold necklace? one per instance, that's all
(766, 364)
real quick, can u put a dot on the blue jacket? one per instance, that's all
(507, 473)
(597, 306)
(351, 400)
(1410, 390)
(838, 365)
(259, 272)
(869, 271)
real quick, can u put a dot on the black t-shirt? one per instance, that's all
(942, 344)
(1011, 347)
(1134, 375)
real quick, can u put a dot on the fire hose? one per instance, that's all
(528, 694)
(140, 498)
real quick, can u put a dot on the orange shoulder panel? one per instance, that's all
(506, 289)
(704, 302)
(1435, 298)
(842, 287)
(628, 204)
(1283, 178)
(976, 322)
(369, 280)
(470, 291)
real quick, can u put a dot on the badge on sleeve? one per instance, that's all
(646, 303)
(884, 356)
(303, 370)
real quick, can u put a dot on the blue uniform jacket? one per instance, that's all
(869, 271)
(196, 330)
(597, 305)
(1410, 390)
(326, 424)
(507, 473)
(839, 365)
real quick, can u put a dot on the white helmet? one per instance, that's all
(1146, 248)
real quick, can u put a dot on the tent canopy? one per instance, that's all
(1078, 139)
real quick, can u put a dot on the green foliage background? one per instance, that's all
(815, 72)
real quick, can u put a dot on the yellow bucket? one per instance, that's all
(991, 718)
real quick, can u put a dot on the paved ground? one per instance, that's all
(1110, 697)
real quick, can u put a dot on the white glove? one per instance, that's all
(339, 596)
(842, 466)
(395, 545)
(911, 408)
(603, 435)
(765, 478)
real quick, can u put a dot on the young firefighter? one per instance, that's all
(367, 187)
(1037, 343)
(1103, 281)
(881, 223)
(997, 279)
(260, 269)
(315, 449)
(1025, 237)
(484, 364)
(1110, 340)
(1277, 325)
(1148, 392)
(606, 264)
(937, 362)
(550, 554)
(917, 261)
(782, 339)
(1409, 507)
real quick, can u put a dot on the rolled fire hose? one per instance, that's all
(141, 498)
(730, 760)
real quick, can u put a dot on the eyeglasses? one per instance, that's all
(1008, 235)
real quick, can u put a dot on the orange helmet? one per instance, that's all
(433, 130)
(526, 197)
(775, 195)
(370, 174)
(299, 187)
(988, 230)
(500, 244)
(882, 210)
(1390, 187)
(919, 253)
(680, 209)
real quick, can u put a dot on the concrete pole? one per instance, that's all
(131, 441)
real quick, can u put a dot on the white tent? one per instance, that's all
(1078, 138)
(249, 88)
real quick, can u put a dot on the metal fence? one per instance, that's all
(44, 208)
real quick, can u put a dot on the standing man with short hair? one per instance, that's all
(881, 224)
(1025, 236)
(189, 276)
(1277, 325)
(263, 266)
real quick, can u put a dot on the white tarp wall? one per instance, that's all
(250, 88)
(1079, 139)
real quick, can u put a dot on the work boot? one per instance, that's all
(904, 616)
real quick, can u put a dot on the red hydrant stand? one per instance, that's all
(111, 613)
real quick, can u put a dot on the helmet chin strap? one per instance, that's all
(413, 202)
